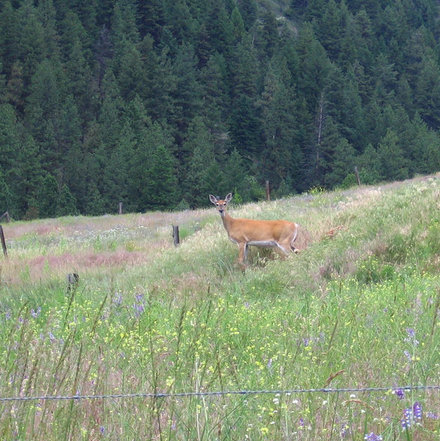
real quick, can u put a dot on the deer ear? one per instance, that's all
(228, 197)
(213, 199)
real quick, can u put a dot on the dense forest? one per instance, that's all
(156, 103)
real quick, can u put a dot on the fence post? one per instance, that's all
(120, 208)
(356, 172)
(72, 281)
(6, 215)
(2, 237)
(176, 235)
(267, 190)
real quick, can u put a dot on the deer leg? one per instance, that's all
(242, 254)
(246, 249)
(282, 249)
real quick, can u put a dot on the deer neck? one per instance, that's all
(227, 220)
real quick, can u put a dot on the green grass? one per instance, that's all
(357, 308)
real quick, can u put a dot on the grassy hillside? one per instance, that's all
(357, 308)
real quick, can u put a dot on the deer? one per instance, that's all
(262, 233)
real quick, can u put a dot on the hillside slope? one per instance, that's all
(357, 309)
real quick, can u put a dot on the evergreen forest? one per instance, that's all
(157, 103)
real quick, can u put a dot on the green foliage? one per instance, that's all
(291, 86)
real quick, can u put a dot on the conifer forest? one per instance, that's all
(157, 103)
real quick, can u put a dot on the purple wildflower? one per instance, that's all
(102, 430)
(407, 355)
(400, 393)
(417, 411)
(117, 299)
(36, 312)
(138, 309)
(301, 422)
(372, 437)
(345, 430)
(432, 416)
(51, 337)
(407, 419)
(411, 336)
(411, 415)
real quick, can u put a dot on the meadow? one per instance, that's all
(358, 308)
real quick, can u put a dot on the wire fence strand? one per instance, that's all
(218, 393)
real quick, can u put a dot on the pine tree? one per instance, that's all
(249, 11)
(244, 120)
(330, 30)
(393, 164)
(43, 111)
(151, 19)
(342, 164)
(187, 94)
(204, 175)
(66, 203)
(428, 92)
(47, 197)
(370, 166)
(282, 158)
(161, 186)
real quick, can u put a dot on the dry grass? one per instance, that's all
(51, 248)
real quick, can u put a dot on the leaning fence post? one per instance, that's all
(176, 235)
(6, 215)
(2, 237)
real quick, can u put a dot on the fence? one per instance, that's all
(220, 393)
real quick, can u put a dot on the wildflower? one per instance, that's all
(417, 411)
(400, 393)
(432, 416)
(138, 309)
(36, 313)
(406, 421)
(102, 430)
(407, 355)
(345, 430)
(117, 299)
(411, 336)
(411, 415)
(372, 437)
(51, 337)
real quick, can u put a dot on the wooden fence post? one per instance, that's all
(267, 190)
(176, 235)
(356, 172)
(2, 237)
(6, 215)
(120, 208)
(72, 281)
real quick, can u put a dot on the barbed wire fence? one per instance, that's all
(219, 393)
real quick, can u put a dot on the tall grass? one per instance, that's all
(357, 308)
